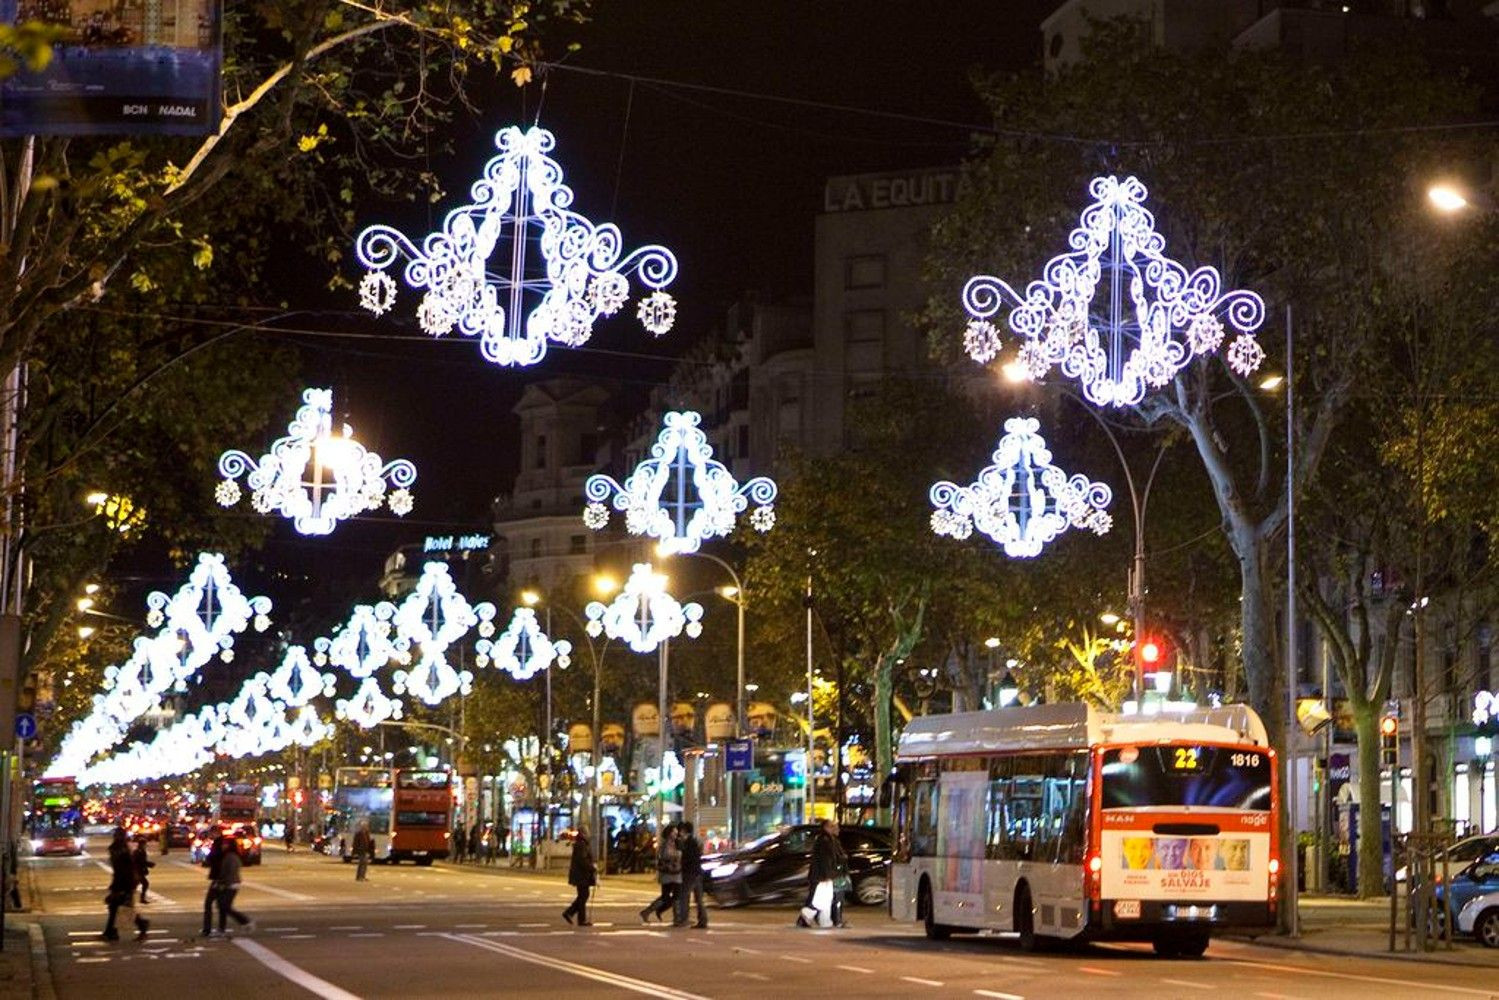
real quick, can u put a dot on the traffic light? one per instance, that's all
(1153, 659)
(1150, 653)
(1389, 738)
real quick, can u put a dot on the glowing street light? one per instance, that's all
(1447, 198)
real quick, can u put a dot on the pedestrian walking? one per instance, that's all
(668, 874)
(491, 844)
(582, 875)
(291, 836)
(211, 897)
(460, 842)
(474, 846)
(364, 849)
(143, 865)
(121, 893)
(692, 877)
(829, 868)
(228, 887)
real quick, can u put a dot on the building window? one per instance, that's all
(588, 447)
(789, 419)
(1483, 680)
(864, 271)
(541, 451)
(743, 449)
(864, 340)
(535, 548)
(577, 545)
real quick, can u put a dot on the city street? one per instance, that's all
(450, 931)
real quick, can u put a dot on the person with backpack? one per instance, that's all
(668, 874)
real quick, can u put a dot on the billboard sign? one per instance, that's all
(137, 67)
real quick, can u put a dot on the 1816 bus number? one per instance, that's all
(1245, 760)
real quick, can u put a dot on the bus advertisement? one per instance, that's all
(423, 814)
(1064, 822)
(55, 823)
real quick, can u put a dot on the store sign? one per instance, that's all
(902, 190)
(739, 755)
(1339, 772)
(122, 68)
(456, 543)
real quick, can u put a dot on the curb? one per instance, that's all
(41, 965)
(1300, 944)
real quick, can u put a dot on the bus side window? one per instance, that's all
(924, 818)
(1074, 830)
(999, 784)
(1059, 805)
(896, 793)
(1023, 808)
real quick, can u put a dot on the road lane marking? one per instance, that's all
(577, 969)
(794, 958)
(1010, 996)
(855, 968)
(1415, 986)
(284, 893)
(750, 975)
(1187, 983)
(105, 867)
(368, 934)
(409, 927)
(295, 973)
(298, 937)
(278, 930)
(477, 927)
(1094, 970)
(922, 982)
(347, 927)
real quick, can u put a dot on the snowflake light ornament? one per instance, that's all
(643, 615)
(369, 706)
(201, 619)
(479, 273)
(315, 477)
(296, 681)
(1115, 313)
(1022, 501)
(523, 649)
(431, 618)
(364, 644)
(680, 495)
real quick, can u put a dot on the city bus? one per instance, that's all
(423, 816)
(55, 823)
(363, 795)
(1064, 822)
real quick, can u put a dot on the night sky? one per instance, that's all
(731, 184)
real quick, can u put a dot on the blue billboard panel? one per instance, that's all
(138, 67)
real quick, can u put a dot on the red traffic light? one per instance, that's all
(1389, 725)
(1150, 651)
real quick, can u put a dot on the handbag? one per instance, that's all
(822, 902)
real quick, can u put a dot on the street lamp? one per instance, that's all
(1447, 198)
(1009, 690)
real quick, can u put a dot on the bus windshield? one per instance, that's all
(359, 803)
(1206, 777)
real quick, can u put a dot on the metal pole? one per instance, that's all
(596, 813)
(736, 778)
(811, 739)
(662, 722)
(1294, 866)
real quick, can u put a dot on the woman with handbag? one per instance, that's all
(581, 874)
(668, 874)
(824, 906)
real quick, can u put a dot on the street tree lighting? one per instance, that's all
(1447, 198)
(84, 631)
(1009, 690)
(1109, 618)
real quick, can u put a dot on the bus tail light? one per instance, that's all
(1274, 881)
(1095, 876)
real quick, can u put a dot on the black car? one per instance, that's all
(774, 868)
(177, 835)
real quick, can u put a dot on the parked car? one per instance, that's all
(1462, 853)
(775, 866)
(1480, 918)
(1478, 879)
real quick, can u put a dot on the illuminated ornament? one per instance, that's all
(296, 681)
(363, 645)
(1022, 501)
(643, 615)
(1115, 313)
(665, 779)
(202, 618)
(308, 728)
(478, 275)
(314, 477)
(369, 706)
(431, 618)
(981, 341)
(681, 494)
(523, 649)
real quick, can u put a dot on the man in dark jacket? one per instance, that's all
(582, 875)
(143, 865)
(692, 877)
(829, 864)
(215, 871)
(121, 887)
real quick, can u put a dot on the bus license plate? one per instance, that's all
(1127, 909)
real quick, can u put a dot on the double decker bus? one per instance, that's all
(422, 813)
(1064, 822)
(56, 819)
(363, 795)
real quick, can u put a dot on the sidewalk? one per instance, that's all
(1340, 926)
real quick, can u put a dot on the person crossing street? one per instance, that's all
(581, 875)
(692, 878)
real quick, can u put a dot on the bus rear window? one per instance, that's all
(422, 779)
(1205, 777)
(416, 818)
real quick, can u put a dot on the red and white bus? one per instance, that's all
(1064, 822)
(421, 816)
(55, 823)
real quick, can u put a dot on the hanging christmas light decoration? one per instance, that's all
(1022, 501)
(643, 615)
(363, 645)
(314, 477)
(520, 207)
(523, 649)
(369, 706)
(431, 618)
(681, 494)
(1151, 318)
(296, 681)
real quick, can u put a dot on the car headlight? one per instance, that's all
(78, 842)
(36, 845)
(724, 870)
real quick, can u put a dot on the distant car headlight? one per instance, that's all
(724, 870)
(36, 845)
(78, 842)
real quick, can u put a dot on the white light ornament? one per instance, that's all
(1115, 313)
(433, 617)
(665, 779)
(680, 495)
(523, 650)
(478, 274)
(1022, 501)
(201, 619)
(643, 615)
(369, 706)
(363, 645)
(315, 477)
(296, 681)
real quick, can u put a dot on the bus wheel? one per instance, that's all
(934, 930)
(1193, 945)
(424, 862)
(1025, 920)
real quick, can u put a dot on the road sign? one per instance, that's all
(739, 755)
(25, 725)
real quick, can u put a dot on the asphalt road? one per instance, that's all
(446, 932)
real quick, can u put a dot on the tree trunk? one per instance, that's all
(883, 692)
(1370, 837)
